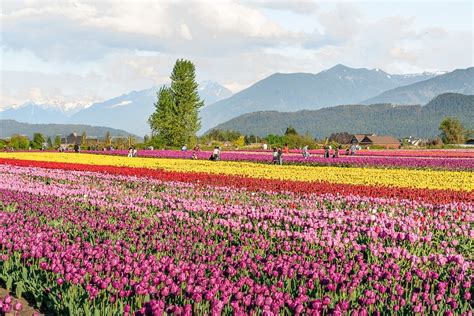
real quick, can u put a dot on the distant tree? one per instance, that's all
(240, 142)
(57, 141)
(50, 142)
(249, 139)
(146, 139)
(84, 139)
(275, 140)
(340, 138)
(298, 141)
(19, 142)
(131, 140)
(290, 130)
(452, 131)
(107, 139)
(222, 135)
(38, 140)
(175, 120)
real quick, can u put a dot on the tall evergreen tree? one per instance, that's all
(176, 118)
(162, 121)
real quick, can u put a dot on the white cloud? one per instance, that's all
(295, 6)
(87, 51)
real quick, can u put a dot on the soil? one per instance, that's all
(27, 309)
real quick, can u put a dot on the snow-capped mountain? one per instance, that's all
(211, 91)
(131, 111)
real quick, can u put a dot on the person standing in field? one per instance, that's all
(285, 149)
(326, 152)
(275, 156)
(216, 153)
(280, 155)
(305, 152)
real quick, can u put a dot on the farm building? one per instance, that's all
(384, 141)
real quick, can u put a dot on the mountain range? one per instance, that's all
(129, 111)
(305, 91)
(381, 119)
(10, 127)
(458, 81)
(278, 92)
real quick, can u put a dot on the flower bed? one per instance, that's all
(399, 178)
(441, 162)
(86, 242)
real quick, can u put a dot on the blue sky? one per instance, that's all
(70, 53)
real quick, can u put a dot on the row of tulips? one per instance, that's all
(434, 153)
(400, 178)
(82, 242)
(448, 163)
(254, 184)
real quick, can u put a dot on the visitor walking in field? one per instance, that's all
(275, 156)
(216, 153)
(305, 152)
(280, 155)
(326, 152)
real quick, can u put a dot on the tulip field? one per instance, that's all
(106, 234)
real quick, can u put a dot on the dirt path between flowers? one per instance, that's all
(26, 309)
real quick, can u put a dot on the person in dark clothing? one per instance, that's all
(275, 156)
(280, 155)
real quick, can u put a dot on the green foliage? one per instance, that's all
(19, 142)
(175, 121)
(221, 135)
(38, 140)
(291, 138)
(381, 119)
(162, 121)
(250, 139)
(275, 140)
(290, 130)
(299, 141)
(240, 142)
(57, 141)
(84, 139)
(107, 139)
(452, 131)
(12, 127)
(49, 142)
